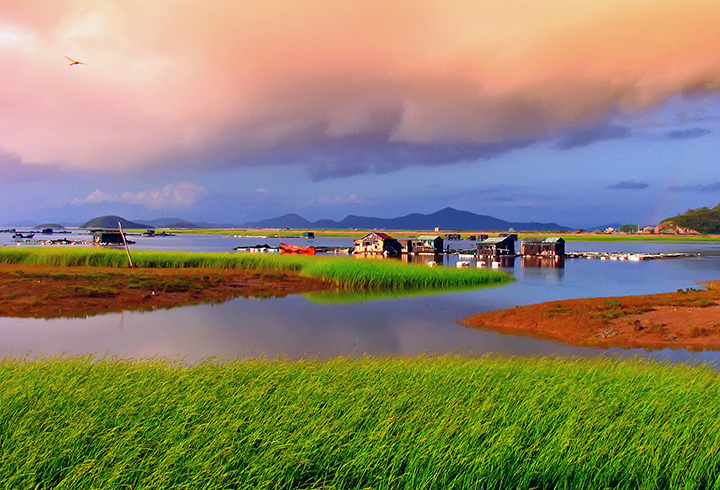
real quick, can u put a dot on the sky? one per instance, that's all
(568, 111)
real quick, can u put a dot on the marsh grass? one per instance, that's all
(380, 423)
(344, 272)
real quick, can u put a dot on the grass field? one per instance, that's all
(344, 272)
(397, 423)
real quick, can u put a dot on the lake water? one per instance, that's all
(302, 326)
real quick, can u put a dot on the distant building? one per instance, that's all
(308, 234)
(496, 247)
(377, 243)
(543, 247)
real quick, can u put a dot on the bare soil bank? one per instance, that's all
(689, 319)
(51, 292)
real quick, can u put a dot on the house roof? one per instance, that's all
(552, 239)
(380, 234)
(429, 237)
(493, 240)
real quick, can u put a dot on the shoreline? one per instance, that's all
(684, 319)
(40, 291)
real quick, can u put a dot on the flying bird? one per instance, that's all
(75, 62)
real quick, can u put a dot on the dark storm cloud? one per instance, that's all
(682, 134)
(352, 156)
(713, 187)
(328, 157)
(629, 185)
(586, 136)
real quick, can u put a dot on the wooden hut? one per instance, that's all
(496, 247)
(377, 243)
(108, 237)
(428, 244)
(543, 247)
(406, 246)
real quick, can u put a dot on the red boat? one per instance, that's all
(286, 248)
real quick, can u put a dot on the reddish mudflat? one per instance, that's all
(689, 319)
(50, 292)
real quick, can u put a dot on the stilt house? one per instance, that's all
(496, 247)
(377, 243)
(543, 247)
(428, 244)
(107, 237)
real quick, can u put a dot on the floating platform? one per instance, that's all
(633, 257)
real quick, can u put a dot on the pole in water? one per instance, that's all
(127, 249)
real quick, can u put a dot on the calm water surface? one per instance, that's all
(299, 326)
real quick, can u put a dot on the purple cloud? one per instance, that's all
(586, 136)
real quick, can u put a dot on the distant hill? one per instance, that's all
(181, 223)
(702, 220)
(171, 223)
(111, 222)
(286, 221)
(445, 219)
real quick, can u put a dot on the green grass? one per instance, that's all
(397, 423)
(344, 272)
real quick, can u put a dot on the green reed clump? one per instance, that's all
(390, 274)
(343, 272)
(381, 423)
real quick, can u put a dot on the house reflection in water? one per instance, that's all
(504, 261)
(537, 261)
(424, 259)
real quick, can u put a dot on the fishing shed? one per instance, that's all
(543, 247)
(428, 244)
(496, 247)
(107, 237)
(377, 243)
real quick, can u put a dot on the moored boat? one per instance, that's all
(287, 248)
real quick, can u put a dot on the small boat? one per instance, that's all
(20, 235)
(286, 248)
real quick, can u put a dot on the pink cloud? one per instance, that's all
(228, 82)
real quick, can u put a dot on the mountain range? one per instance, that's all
(445, 219)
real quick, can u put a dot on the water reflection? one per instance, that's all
(298, 326)
(543, 262)
(294, 328)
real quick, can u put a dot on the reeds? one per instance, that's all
(344, 272)
(389, 423)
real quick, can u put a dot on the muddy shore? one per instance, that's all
(33, 291)
(688, 318)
